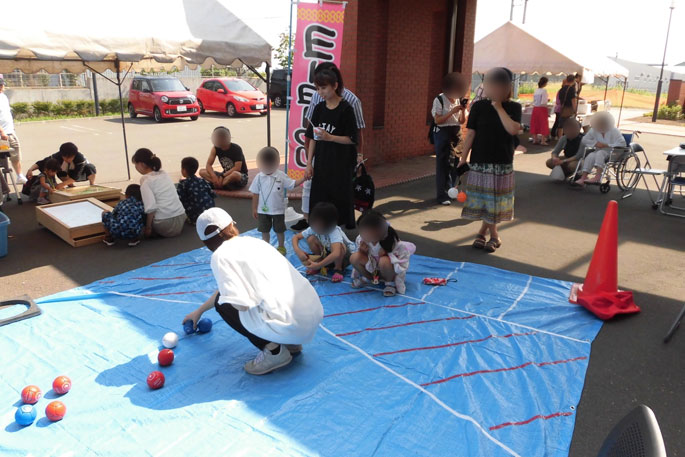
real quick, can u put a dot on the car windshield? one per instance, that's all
(239, 85)
(167, 85)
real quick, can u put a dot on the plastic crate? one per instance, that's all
(4, 227)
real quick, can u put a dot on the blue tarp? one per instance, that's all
(491, 364)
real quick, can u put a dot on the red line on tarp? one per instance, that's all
(498, 370)
(479, 340)
(365, 291)
(375, 308)
(177, 293)
(528, 421)
(170, 279)
(405, 324)
(179, 264)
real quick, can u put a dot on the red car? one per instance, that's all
(231, 96)
(161, 97)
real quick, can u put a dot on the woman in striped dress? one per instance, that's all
(492, 126)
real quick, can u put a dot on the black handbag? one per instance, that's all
(364, 190)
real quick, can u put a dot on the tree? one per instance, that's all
(281, 51)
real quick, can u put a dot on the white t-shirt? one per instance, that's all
(540, 97)
(336, 236)
(614, 138)
(270, 191)
(160, 196)
(441, 110)
(282, 306)
(6, 121)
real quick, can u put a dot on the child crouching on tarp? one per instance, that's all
(380, 254)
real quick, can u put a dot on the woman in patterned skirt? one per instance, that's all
(492, 126)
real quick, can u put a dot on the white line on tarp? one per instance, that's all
(516, 302)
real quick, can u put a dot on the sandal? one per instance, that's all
(493, 244)
(389, 290)
(359, 282)
(479, 242)
(337, 276)
(311, 271)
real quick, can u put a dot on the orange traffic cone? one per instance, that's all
(599, 293)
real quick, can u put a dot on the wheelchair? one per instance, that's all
(625, 166)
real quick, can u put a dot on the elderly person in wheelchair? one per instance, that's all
(600, 140)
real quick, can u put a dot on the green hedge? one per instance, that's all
(65, 108)
(672, 112)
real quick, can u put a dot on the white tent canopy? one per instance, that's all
(517, 49)
(140, 34)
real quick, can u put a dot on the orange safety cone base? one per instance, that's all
(604, 305)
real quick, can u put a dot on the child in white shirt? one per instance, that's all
(327, 242)
(380, 254)
(268, 196)
(261, 295)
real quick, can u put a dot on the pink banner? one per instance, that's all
(318, 39)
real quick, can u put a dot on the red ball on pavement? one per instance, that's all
(165, 357)
(31, 395)
(461, 197)
(155, 380)
(55, 411)
(61, 385)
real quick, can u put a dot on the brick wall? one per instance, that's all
(676, 92)
(394, 56)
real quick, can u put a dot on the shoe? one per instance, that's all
(108, 240)
(294, 349)
(21, 179)
(42, 201)
(446, 203)
(133, 243)
(301, 225)
(282, 250)
(266, 362)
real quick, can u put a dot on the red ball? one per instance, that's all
(55, 411)
(165, 357)
(461, 197)
(155, 380)
(61, 385)
(31, 395)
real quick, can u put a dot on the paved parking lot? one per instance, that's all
(101, 139)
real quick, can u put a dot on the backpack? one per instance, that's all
(364, 190)
(433, 128)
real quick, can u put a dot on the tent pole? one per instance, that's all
(287, 85)
(123, 124)
(606, 88)
(625, 84)
(268, 105)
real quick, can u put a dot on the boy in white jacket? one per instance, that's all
(603, 136)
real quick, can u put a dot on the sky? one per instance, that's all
(633, 29)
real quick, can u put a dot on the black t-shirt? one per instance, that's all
(229, 157)
(492, 143)
(340, 121)
(74, 170)
(572, 146)
(567, 94)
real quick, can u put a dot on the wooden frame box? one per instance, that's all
(77, 222)
(106, 194)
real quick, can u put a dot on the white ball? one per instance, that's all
(170, 340)
(453, 192)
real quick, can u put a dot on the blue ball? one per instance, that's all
(188, 327)
(204, 325)
(25, 415)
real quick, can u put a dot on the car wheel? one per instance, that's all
(278, 101)
(194, 118)
(230, 110)
(158, 115)
(132, 111)
(202, 107)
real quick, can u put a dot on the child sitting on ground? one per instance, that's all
(268, 196)
(127, 220)
(46, 182)
(327, 242)
(380, 253)
(195, 193)
(603, 136)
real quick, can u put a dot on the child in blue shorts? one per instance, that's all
(127, 220)
(195, 193)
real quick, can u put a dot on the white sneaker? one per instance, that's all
(446, 203)
(21, 179)
(42, 201)
(266, 362)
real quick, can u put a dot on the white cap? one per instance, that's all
(212, 216)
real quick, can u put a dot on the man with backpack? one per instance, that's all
(449, 112)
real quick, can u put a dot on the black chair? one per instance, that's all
(636, 435)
